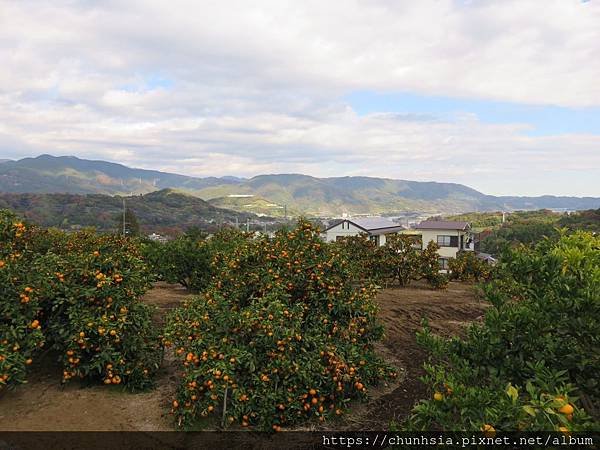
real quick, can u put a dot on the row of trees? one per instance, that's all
(186, 260)
(399, 260)
(77, 295)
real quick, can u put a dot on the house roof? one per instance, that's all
(372, 224)
(443, 225)
(485, 256)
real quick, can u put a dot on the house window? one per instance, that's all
(443, 263)
(340, 238)
(447, 241)
(374, 239)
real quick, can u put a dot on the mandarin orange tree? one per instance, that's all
(21, 332)
(282, 334)
(99, 323)
(532, 364)
(401, 258)
(468, 267)
(80, 293)
(430, 267)
(367, 260)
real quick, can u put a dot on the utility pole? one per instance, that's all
(247, 225)
(123, 216)
(237, 224)
(285, 212)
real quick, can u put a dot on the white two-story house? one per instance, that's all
(377, 228)
(451, 236)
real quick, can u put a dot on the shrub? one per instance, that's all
(364, 258)
(187, 259)
(401, 259)
(184, 260)
(468, 267)
(281, 334)
(429, 266)
(546, 308)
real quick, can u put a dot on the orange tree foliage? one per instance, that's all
(467, 267)
(430, 266)
(398, 260)
(282, 334)
(79, 294)
(532, 364)
(364, 257)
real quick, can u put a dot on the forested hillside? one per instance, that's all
(165, 211)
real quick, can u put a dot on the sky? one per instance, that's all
(503, 96)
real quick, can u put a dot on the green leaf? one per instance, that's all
(512, 392)
(530, 410)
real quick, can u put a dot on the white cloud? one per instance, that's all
(255, 89)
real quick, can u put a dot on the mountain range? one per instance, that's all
(270, 194)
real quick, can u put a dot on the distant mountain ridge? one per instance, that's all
(69, 174)
(298, 193)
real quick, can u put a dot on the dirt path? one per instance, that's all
(43, 404)
(401, 311)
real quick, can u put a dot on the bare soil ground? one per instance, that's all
(448, 311)
(43, 404)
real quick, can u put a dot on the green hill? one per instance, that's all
(253, 204)
(164, 211)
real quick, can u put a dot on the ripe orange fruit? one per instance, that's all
(566, 409)
(488, 430)
(312, 392)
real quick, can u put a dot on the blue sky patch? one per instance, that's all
(544, 120)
